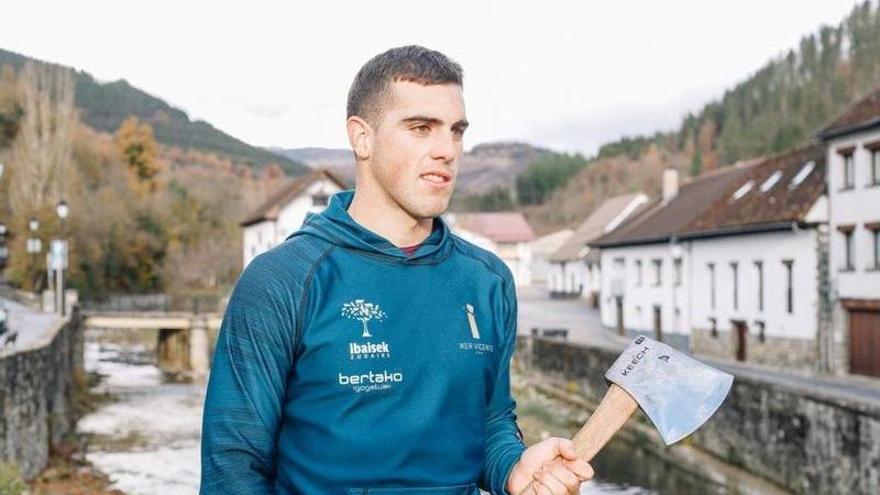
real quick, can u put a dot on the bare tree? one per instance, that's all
(42, 150)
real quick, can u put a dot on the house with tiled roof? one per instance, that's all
(729, 265)
(506, 234)
(284, 212)
(853, 174)
(543, 248)
(574, 267)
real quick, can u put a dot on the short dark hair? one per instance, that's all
(405, 63)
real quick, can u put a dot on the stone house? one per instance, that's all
(574, 267)
(730, 264)
(853, 174)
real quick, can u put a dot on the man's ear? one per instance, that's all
(360, 136)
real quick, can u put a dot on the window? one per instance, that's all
(771, 181)
(711, 267)
(848, 169)
(875, 166)
(802, 174)
(677, 268)
(713, 327)
(638, 272)
(761, 336)
(658, 271)
(789, 296)
(735, 272)
(760, 267)
(320, 199)
(743, 190)
(874, 228)
(847, 232)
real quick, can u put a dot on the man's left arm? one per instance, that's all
(507, 463)
(503, 443)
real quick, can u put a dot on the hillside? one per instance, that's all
(104, 107)
(484, 167)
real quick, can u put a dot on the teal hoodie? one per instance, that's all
(344, 366)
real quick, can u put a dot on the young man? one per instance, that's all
(370, 351)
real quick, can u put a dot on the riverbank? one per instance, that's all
(68, 471)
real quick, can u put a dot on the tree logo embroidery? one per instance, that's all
(364, 312)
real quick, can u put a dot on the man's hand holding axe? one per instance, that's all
(675, 391)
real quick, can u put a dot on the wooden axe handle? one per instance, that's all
(616, 407)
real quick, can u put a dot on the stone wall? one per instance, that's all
(801, 439)
(37, 388)
(797, 354)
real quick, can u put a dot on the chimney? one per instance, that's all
(670, 184)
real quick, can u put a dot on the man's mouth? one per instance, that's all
(439, 178)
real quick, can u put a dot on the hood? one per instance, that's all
(336, 226)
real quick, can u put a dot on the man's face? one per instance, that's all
(417, 146)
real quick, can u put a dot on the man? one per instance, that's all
(370, 351)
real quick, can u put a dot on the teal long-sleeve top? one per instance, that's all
(345, 366)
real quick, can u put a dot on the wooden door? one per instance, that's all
(864, 342)
(619, 303)
(658, 324)
(741, 331)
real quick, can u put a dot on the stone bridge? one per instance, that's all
(185, 340)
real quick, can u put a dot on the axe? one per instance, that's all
(676, 392)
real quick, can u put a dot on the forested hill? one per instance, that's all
(105, 106)
(784, 103)
(779, 107)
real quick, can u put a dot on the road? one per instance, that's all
(30, 324)
(536, 309)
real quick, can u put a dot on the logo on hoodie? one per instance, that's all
(364, 311)
(477, 347)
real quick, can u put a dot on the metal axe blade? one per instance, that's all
(676, 392)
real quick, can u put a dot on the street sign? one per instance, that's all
(58, 254)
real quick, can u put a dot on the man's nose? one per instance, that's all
(445, 148)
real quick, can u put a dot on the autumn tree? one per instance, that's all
(139, 152)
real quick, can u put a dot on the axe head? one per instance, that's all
(677, 392)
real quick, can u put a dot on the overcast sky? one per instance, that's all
(567, 75)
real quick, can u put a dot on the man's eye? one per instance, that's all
(422, 129)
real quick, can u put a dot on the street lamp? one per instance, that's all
(4, 251)
(63, 209)
(59, 257)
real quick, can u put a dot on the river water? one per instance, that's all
(147, 437)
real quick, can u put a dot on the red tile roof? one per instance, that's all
(497, 226)
(706, 206)
(594, 226)
(863, 115)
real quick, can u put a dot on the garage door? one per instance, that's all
(864, 349)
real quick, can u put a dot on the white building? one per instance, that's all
(542, 248)
(727, 265)
(507, 234)
(284, 212)
(853, 154)
(574, 267)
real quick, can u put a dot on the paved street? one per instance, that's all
(536, 309)
(30, 325)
